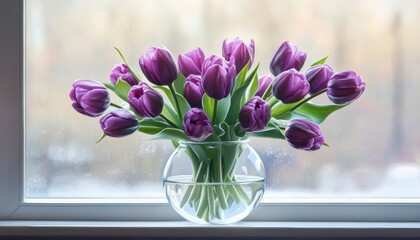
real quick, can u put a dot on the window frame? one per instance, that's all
(12, 127)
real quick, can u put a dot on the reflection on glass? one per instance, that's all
(374, 144)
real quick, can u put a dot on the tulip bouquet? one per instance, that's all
(218, 98)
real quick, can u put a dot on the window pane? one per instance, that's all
(374, 143)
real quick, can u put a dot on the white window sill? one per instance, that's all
(182, 229)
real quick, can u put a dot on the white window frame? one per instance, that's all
(13, 207)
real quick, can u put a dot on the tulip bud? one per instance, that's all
(122, 71)
(191, 62)
(290, 86)
(286, 57)
(263, 83)
(254, 115)
(303, 134)
(197, 125)
(218, 77)
(119, 123)
(318, 77)
(145, 101)
(193, 91)
(158, 65)
(89, 97)
(241, 52)
(345, 87)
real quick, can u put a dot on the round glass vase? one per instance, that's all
(214, 182)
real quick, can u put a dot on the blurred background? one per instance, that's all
(375, 143)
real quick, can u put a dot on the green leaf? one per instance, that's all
(319, 62)
(183, 104)
(175, 143)
(150, 130)
(252, 89)
(208, 104)
(110, 86)
(226, 129)
(223, 106)
(168, 94)
(155, 122)
(101, 138)
(272, 132)
(240, 78)
(122, 88)
(135, 75)
(218, 131)
(235, 105)
(179, 84)
(213, 138)
(153, 125)
(277, 123)
(281, 108)
(172, 134)
(239, 131)
(171, 114)
(315, 112)
(267, 92)
(229, 132)
(200, 152)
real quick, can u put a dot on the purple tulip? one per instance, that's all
(158, 65)
(318, 77)
(119, 123)
(145, 101)
(263, 83)
(303, 134)
(254, 115)
(241, 52)
(191, 62)
(122, 71)
(89, 97)
(290, 86)
(197, 125)
(193, 91)
(286, 57)
(218, 77)
(345, 87)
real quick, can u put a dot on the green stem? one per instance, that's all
(196, 165)
(214, 111)
(116, 105)
(267, 93)
(211, 199)
(196, 188)
(268, 99)
(202, 204)
(240, 191)
(218, 173)
(210, 196)
(171, 88)
(230, 155)
(271, 101)
(232, 192)
(307, 99)
(168, 121)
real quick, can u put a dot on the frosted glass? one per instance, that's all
(374, 143)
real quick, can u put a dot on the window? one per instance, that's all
(52, 168)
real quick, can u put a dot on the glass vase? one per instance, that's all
(214, 182)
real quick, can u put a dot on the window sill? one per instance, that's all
(182, 229)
